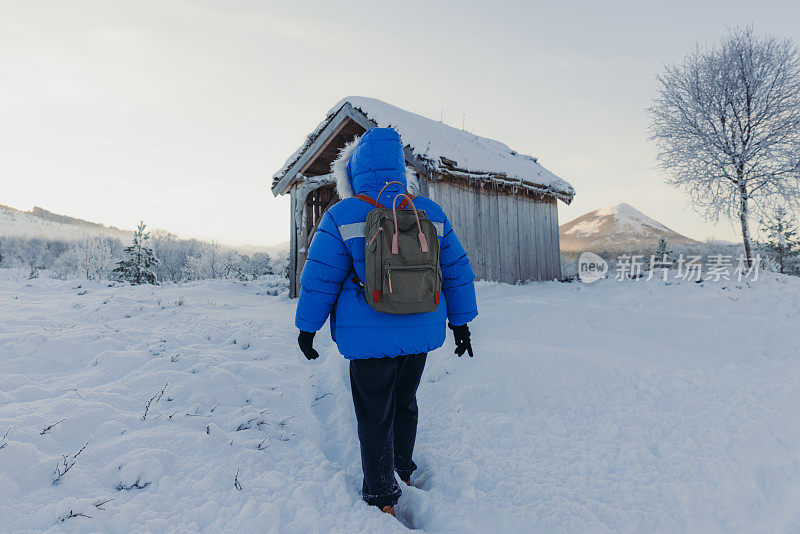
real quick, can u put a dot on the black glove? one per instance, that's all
(306, 342)
(461, 335)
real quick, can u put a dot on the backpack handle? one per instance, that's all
(423, 242)
(378, 198)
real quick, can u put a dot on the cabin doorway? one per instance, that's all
(318, 202)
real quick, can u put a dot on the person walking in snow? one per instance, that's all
(385, 342)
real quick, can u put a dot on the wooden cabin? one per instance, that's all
(502, 204)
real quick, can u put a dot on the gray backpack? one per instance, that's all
(401, 249)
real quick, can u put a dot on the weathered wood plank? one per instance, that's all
(454, 206)
(443, 199)
(293, 281)
(525, 245)
(495, 246)
(556, 237)
(477, 218)
(516, 244)
(462, 197)
(508, 260)
(531, 229)
(541, 252)
(431, 194)
(471, 200)
(546, 240)
(555, 272)
(551, 253)
(513, 235)
(485, 226)
(533, 253)
(533, 226)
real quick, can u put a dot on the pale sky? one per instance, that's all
(179, 112)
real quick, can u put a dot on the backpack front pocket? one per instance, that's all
(409, 283)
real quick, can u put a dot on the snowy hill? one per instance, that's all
(43, 224)
(273, 250)
(619, 228)
(577, 414)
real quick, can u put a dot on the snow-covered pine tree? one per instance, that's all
(782, 244)
(661, 258)
(138, 268)
(662, 253)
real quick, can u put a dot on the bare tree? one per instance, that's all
(94, 258)
(727, 125)
(31, 253)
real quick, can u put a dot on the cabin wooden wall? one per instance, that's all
(509, 237)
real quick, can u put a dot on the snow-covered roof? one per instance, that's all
(443, 149)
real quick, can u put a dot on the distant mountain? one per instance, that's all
(44, 224)
(619, 228)
(272, 250)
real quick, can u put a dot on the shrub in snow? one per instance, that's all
(569, 266)
(172, 254)
(211, 262)
(261, 265)
(280, 265)
(94, 258)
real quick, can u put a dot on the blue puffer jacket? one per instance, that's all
(337, 253)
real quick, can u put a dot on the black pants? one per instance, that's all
(385, 398)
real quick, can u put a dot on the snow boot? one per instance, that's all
(388, 510)
(406, 481)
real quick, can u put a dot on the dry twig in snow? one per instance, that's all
(67, 462)
(236, 483)
(154, 398)
(73, 514)
(50, 427)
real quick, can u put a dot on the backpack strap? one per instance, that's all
(370, 200)
(405, 201)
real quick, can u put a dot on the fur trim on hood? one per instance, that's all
(339, 171)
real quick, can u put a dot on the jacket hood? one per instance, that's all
(369, 162)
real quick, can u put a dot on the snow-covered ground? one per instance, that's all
(633, 406)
